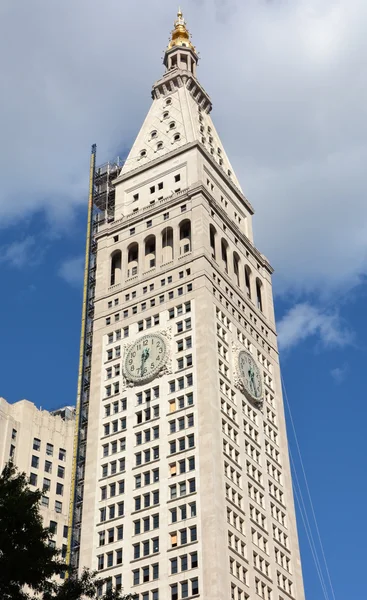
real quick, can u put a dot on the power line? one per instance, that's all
(308, 490)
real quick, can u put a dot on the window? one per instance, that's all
(109, 559)
(35, 462)
(146, 550)
(61, 472)
(118, 582)
(58, 506)
(165, 216)
(136, 577)
(174, 592)
(46, 484)
(33, 479)
(194, 560)
(53, 527)
(193, 534)
(184, 589)
(49, 449)
(102, 514)
(62, 454)
(174, 568)
(259, 294)
(59, 489)
(36, 444)
(156, 497)
(183, 535)
(44, 500)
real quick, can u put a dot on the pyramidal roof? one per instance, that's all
(180, 111)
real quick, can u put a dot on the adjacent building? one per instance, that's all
(40, 444)
(183, 483)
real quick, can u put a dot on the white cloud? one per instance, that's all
(304, 320)
(288, 83)
(339, 374)
(72, 270)
(19, 254)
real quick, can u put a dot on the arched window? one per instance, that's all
(248, 281)
(259, 302)
(224, 250)
(167, 245)
(185, 236)
(212, 234)
(149, 252)
(236, 267)
(115, 274)
(132, 259)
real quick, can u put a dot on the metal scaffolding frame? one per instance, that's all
(101, 209)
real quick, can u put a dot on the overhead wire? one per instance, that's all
(308, 493)
(306, 524)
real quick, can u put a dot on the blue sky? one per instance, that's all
(288, 84)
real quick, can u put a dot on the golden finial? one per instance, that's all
(180, 35)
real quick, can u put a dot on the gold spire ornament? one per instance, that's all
(180, 34)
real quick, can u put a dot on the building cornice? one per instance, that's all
(176, 78)
(175, 198)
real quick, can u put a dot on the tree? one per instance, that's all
(27, 560)
(26, 557)
(84, 586)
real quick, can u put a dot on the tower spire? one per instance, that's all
(180, 35)
(180, 52)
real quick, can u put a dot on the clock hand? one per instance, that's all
(251, 376)
(144, 356)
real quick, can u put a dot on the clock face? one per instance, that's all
(250, 375)
(145, 358)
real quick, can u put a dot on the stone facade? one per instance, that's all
(40, 444)
(187, 484)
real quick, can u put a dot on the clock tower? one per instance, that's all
(182, 479)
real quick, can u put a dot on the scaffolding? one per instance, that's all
(104, 190)
(101, 209)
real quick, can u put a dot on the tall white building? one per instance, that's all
(40, 444)
(183, 479)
